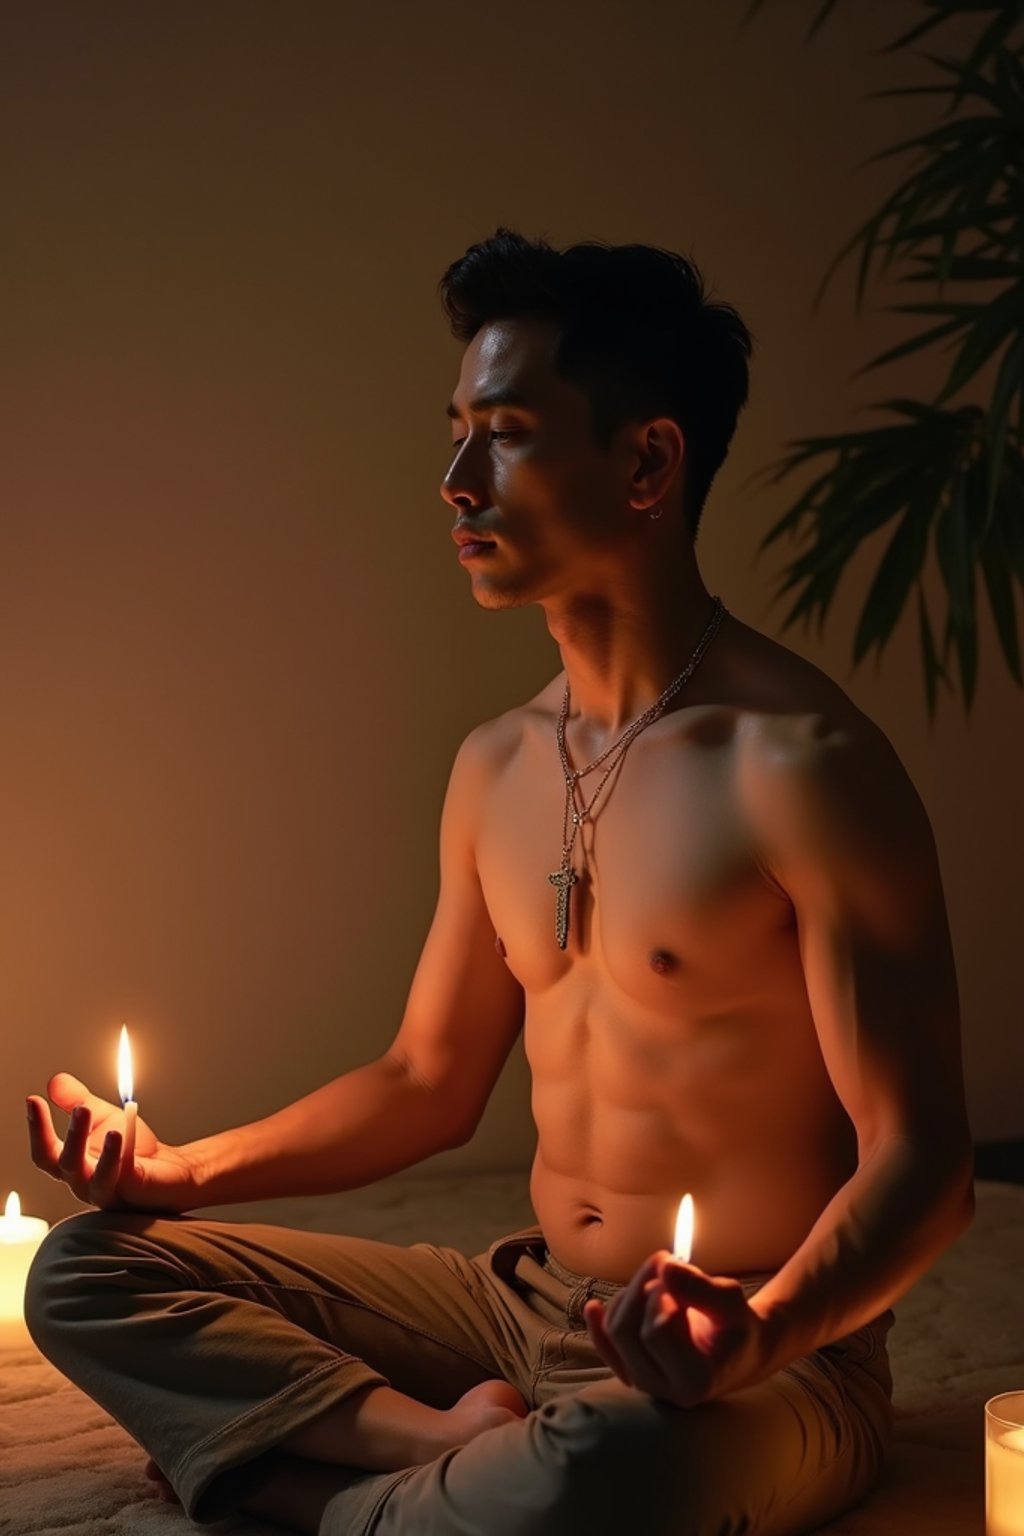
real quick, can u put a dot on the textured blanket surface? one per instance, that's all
(66, 1469)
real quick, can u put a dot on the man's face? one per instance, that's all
(528, 475)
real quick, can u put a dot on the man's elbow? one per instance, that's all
(957, 1184)
(941, 1166)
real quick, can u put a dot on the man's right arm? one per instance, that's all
(426, 1093)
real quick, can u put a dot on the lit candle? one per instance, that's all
(125, 1087)
(1004, 1465)
(683, 1245)
(20, 1236)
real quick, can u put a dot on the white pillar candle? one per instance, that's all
(1004, 1465)
(125, 1087)
(20, 1237)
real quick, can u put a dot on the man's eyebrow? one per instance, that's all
(494, 397)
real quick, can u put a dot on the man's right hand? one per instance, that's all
(88, 1160)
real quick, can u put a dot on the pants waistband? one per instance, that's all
(751, 1281)
(602, 1288)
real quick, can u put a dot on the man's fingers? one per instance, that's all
(593, 1316)
(638, 1320)
(76, 1138)
(69, 1160)
(667, 1342)
(44, 1143)
(108, 1167)
(627, 1308)
(66, 1091)
(719, 1296)
(625, 1317)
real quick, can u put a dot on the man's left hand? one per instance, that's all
(680, 1334)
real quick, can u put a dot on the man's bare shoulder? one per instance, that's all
(812, 762)
(787, 708)
(496, 741)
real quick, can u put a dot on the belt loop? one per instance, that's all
(574, 1306)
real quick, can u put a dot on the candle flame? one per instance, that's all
(12, 1210)
(125, 1084)
(684, 1230)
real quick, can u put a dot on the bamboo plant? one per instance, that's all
(955, 471)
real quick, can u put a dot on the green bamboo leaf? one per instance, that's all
(918, 410)
(820, 19)
(948, 206)
(791, 518)
(1009, 381)
(994, 324)
(867, 233)
(967, 268)
(956, 559)
(960, 134)
(867, 439)
(818, 594)
(966, 222)
(952, 546)
(933, 668)
(909, 90)
(966, 640)
(1010, 516)
(1007, 85)
(914, 33)
(947, 198)
(976, 83)
(840, 537)
(917, 204)
(990, 42)
(752, 10)
(962, 308)
(1000, 595)
(898, 570)
(1014, 65)
(914, 344)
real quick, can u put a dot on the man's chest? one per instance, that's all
(669, 895)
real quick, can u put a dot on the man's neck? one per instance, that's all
(620, 655)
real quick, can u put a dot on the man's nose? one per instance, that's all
(459, 488)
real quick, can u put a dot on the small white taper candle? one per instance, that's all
(125, 1087)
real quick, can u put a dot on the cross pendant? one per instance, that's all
(562, 879)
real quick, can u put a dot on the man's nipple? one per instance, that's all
(499, 946)
(663, 962)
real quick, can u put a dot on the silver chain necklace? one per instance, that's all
(564, 878)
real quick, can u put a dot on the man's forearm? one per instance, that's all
(880, 1232)
(354, 1130)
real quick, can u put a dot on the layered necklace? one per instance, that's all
(565, 877)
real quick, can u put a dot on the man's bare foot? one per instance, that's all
(381, 1430)
(483, 1407)
(479, 1409)
(164, 1488)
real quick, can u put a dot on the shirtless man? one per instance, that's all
(754, 1001)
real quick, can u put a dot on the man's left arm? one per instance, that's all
(846, 836)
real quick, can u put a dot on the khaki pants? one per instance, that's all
(211, 1342)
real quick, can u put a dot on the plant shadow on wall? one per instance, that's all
(959, 216)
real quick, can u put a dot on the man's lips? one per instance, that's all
(465, 536)
(473, 547)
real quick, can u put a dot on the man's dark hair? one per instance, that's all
(636, 334)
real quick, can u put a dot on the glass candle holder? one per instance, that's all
(1004, 1465)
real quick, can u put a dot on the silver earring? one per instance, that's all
(658, 513)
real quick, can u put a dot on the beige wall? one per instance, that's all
(236, 651)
